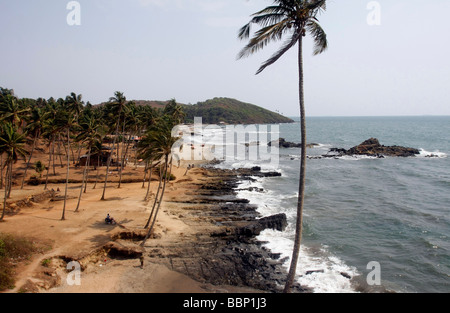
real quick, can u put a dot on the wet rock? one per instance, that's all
(372, 147)
(282, 143)
(276, 222)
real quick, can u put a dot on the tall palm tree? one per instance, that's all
(90, 133)
(12, 143)
(293, 18)
(117, 103)
(34, 128)
(160, 142)
(67, 119)
(51, 128)
(130, 125)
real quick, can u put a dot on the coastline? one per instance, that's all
(204, 240)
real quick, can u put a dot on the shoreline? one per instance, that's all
(204, 241)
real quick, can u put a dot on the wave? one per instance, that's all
(317, 269)
(435, 154)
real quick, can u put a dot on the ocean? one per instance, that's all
(384, 222)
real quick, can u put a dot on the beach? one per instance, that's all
(199, 244)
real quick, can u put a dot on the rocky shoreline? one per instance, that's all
(204, 233)
(225, 250)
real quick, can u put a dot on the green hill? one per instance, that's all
(232, 111)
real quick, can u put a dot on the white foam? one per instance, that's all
(435, 154)
(320, 270)
(328, 279)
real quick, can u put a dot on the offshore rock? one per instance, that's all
(372, 147)
(282, 143)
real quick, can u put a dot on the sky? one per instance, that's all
(386, 57)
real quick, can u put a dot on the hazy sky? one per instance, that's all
(186, 49)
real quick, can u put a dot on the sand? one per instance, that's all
(82, 235)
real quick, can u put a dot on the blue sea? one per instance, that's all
(384, 223)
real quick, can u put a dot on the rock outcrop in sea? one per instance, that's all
(282, 143)
(372, 147)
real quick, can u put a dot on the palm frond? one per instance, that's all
(319, 36)
(288, 45)
(263, 37)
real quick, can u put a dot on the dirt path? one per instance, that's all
(83, 234)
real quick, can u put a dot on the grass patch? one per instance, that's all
(14, 250)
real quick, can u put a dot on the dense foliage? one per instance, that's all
(232, 111)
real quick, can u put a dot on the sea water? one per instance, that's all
(360, 211)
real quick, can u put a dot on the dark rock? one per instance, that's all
(313, 271)
(346, 275)
(372, 147)
(282, 143)
(276, 222)
(230, 254)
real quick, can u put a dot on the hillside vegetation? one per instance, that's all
(225, 110)
(232, 111)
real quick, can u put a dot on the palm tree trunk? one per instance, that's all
(59, 151)
(6, 194)
(87, 172)
(49, 162)
(10, 179)
(156, 198)
(98, 166)
(145, 174)
(159, 204)
(149, 181)
(54, 157)
(29, 160)
(301, 191)
(84, 178)
(1, 170)
(108, 163)
(67, 177)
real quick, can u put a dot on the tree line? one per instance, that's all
(70, 125)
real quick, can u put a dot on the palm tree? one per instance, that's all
(130, 124)
(13, 144)
(90, 134)
(12, 110)
(34, 128)
(296, 18)
(117, 103)
(160, 142)
(67, 120)
(50, 129)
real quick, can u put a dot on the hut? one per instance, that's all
(97, 159)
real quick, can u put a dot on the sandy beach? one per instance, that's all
(84, 237)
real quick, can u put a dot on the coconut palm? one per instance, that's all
(116, 105)
(130, 124)
(74, 105)
(160, 142)
(12, 143)
(67, 119)
(292, 18)
(90, 134)
(51, 129)
(12, 110)
(34, 128)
